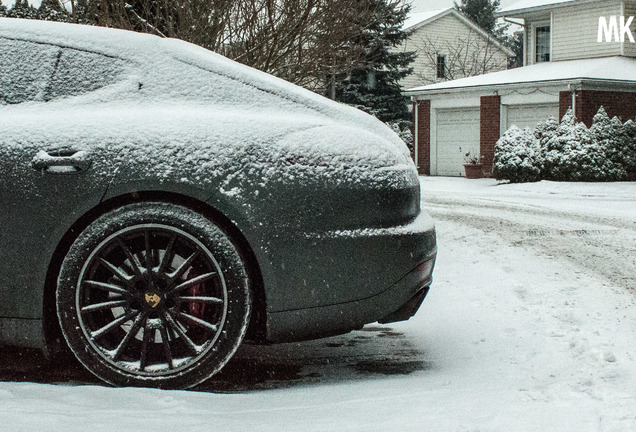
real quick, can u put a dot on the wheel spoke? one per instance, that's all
(143, 357)
(199, 299)
(105, 305)
(134, 264)
(167, 256)
(197, 321)
(166, 346)
(108, 287)
(148, 251)
(139, 319)
(196, 349)
(113, 325)
(183, 267)
(127, 279)
(191, 282)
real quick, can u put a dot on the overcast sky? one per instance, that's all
(424, 5)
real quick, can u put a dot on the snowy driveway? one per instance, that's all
(530, 326)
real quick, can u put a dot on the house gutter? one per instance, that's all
(510, 21)
(573, 90)
(571, 83)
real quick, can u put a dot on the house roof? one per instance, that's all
(419, 19)
(524, 5)
(616, 70)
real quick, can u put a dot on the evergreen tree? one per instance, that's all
(373, 86)
(3, 11)
(22, 9)
(481, 12)
(52, 10)
(80, 12)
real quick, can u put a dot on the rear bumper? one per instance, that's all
(364, 259)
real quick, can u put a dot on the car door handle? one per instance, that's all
(61, 161)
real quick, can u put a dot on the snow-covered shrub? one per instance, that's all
(576, 153)
(403, 129)
(618, 141)
(568, 151)
(518, 156)
(628, 149)
(545, 131)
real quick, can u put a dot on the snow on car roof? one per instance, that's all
(602, 69)
(184, 112)
(146, 50)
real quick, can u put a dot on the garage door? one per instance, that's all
(457, 134)
(529, 115)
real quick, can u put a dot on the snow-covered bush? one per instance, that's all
(568, 151)
(618, 140)
(576, 153)
(403, 129)
(628, 149)
(517, 156)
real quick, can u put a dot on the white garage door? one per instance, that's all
(529, 115)
(457, 134)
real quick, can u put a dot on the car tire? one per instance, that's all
(155, 295)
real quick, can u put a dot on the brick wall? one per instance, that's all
(565, 103)
(620, 104)
(490, 110)
(424, 137)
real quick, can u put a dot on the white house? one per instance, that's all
(449, 46)
(565, 66)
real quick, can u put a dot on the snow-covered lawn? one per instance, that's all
(530, 326)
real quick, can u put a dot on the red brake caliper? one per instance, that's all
(196, 309)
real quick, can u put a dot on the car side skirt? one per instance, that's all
(23, 332)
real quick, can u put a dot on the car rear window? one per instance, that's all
(25, 70)
(79, 72)
(32, 71)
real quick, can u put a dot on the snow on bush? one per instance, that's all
(403, 129)
(518, 156)
(568, 151)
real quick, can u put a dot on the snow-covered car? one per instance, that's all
(161, 203)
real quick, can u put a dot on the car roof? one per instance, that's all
(150, 51)
(103, 40)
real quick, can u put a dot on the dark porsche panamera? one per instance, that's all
(159, 204)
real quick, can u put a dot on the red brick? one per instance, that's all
(620, 104)
(423, 137)
(489, 119)
(565, 103)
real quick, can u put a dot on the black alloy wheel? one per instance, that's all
(153, 294)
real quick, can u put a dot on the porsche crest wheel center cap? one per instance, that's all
(153, 299)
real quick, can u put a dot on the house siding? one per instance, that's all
(438, 37)
(629, 49)
(575, 32)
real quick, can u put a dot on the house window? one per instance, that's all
(441, 66)
(542, 44)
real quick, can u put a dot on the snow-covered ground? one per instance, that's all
(530, 326)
